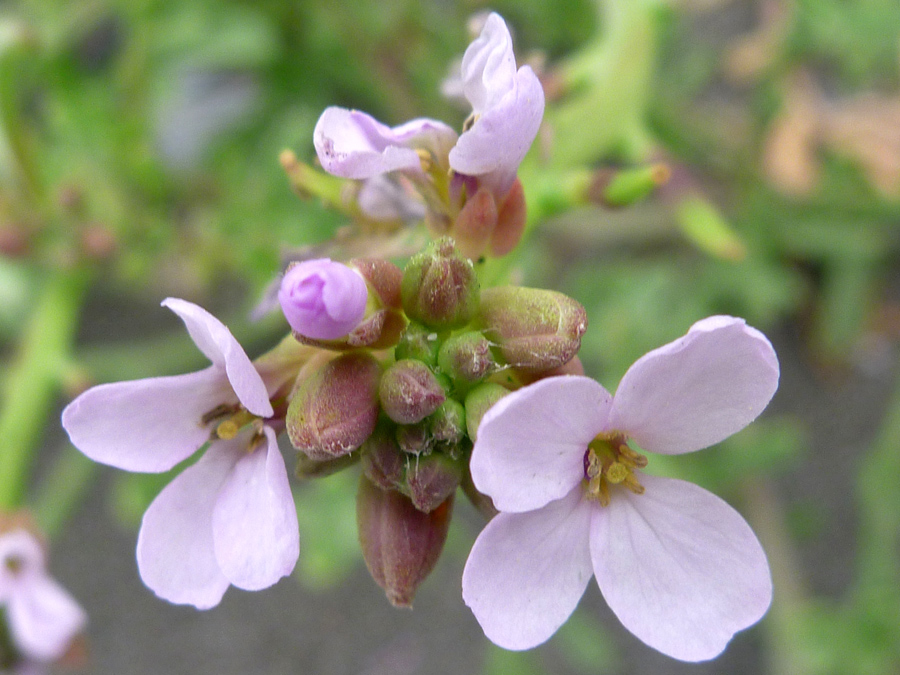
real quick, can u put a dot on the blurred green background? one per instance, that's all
(139, 158)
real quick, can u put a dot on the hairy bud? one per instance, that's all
(440, 288)
(409, 391)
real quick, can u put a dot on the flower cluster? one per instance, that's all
(429, 382)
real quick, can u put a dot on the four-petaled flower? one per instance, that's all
(679, 567)
(230, 518)
(42, 617)
(507, 107)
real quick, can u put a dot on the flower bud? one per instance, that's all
(466, 357)
(383, 278)
(440, 288)
(314, 468)
(382, 460)
(448, 423)
(409, 391)
(430, 480)
(478, 402)
(322, 299)
(418, 342)
(400, 543)
(335, 409)
(536, 329)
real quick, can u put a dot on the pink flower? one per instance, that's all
(322, 299)
(507, 107)
(230, 518)
(679, 567)
(42, 617)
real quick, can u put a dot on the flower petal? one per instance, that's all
(218, 344)
(697, 390)
(680, 568)
(527, 571)
(489, 65)
(175, 552)
(352, 144)
(146, 425)
(499, 139)
(43, 619)
(21, 559)
(255, 530)
(531, 443)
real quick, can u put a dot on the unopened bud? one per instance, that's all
(466, 357)
(313, 468)
(431, 480)
(382, 460)
(414, 439)
(448, 423)
(440, 288)
(409, 391)
(383, 278)
(400, 543)
(536, 329)
(478, 402)
(335, 409)
(322, 299)
(418, 342)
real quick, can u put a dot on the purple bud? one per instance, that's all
(431, 480)
(536, 329)
(335, 409)
(322, 299)
(400, 543)
(382, 460)
(409, 391)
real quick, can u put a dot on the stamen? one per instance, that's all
(216, 413)
(609, 461)
(228, 429)
(425, 159)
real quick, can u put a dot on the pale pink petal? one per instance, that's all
(489, 65)
(218, 344)
(531, 443)
(679, 567)
(353, 144)
(499, 139)
(697, 390)
(146, 425)
(175, 552)
(21, 559)
(255, 530)
(527, 571)
(43, 619)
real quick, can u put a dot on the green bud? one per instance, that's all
(478, 402)
(536, 329)
(409, 391)
(448, 423)
(431, 480)
(334, 410)
(400, 543)
(440, 288)
(418, 342)
(466, 357)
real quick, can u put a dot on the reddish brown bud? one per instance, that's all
(475, 224)
(409, 391)
(510, 221)
(335, 409)
(430, 480)
(440, 288)
(383, 278)
(400, 543)
(536, 329)
(382, 460)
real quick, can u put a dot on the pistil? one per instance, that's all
(609, 461)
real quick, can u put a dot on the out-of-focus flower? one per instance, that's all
(229, 518)
(679, 567)
(43, 617)
(322, 299)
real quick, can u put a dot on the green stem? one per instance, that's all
(63, 487)
(31, 384)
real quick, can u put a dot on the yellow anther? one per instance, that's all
(609, 461)
(632, 484)
(227, 430)
(425, 159)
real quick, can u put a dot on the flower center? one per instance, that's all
(609, 461)
(228, 419)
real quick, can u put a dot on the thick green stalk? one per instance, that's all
(32, 382)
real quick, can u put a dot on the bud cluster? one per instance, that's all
(411, 413)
